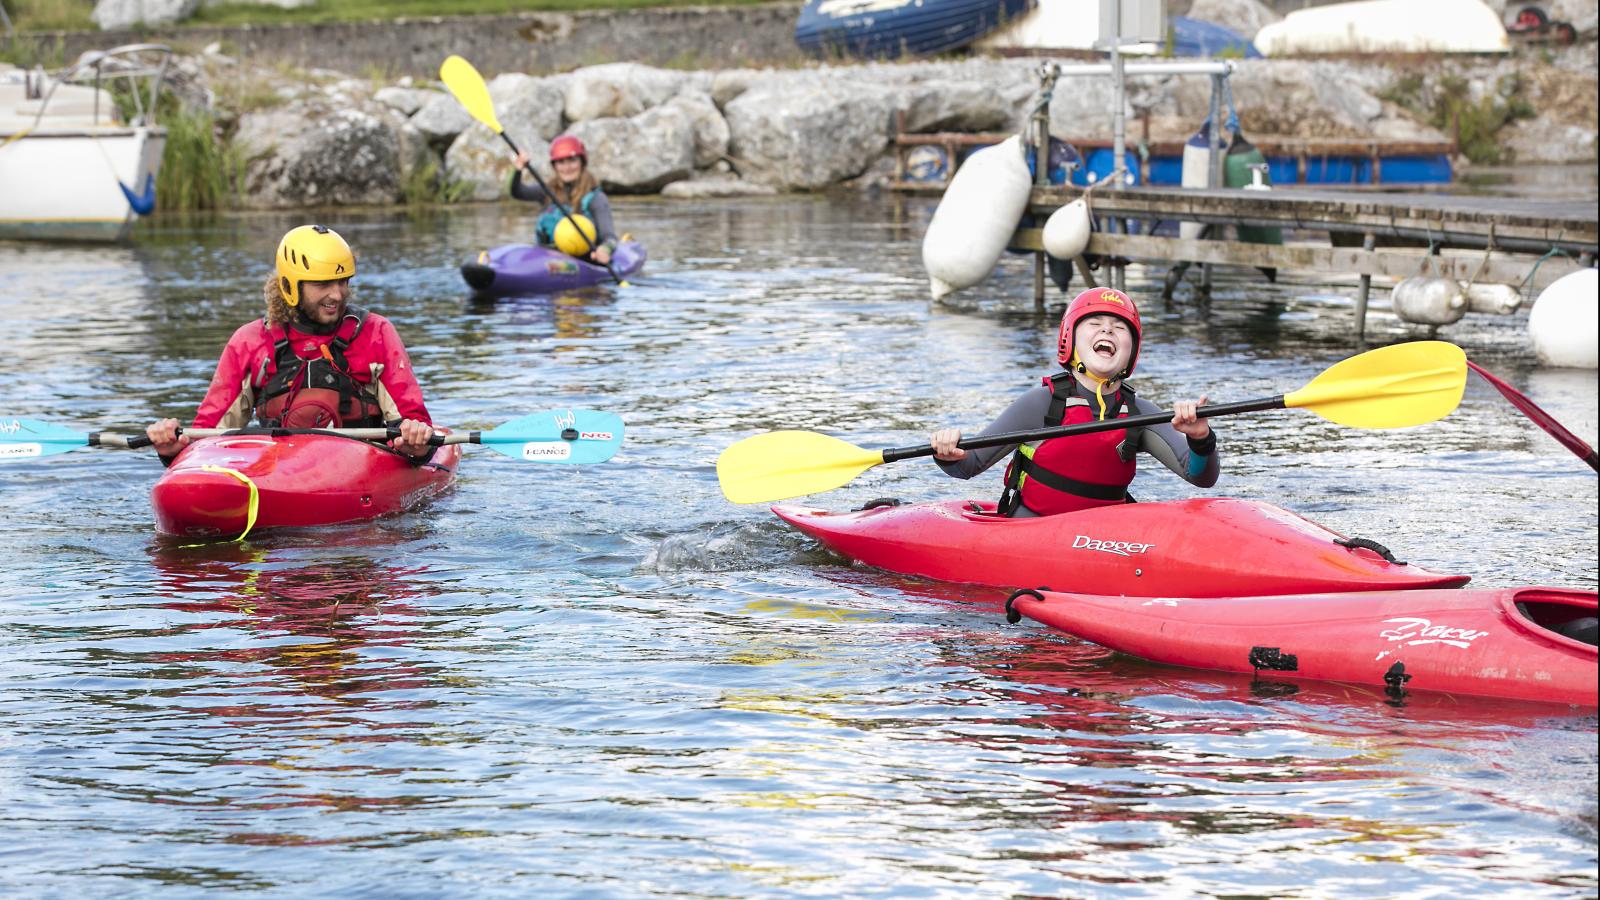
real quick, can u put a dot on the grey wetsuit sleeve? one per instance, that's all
(1172, 448)
(526, 190)
(600, 212)
(1025, 414)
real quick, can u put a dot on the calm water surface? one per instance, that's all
(607, 680)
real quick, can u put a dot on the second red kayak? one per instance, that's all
(224, 487)
(1533, 643)
(1207, 547)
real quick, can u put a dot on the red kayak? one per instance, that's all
(1532, 643)
(1211, 547)
(217, 484)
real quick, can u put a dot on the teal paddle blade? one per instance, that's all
(27, 438)
(558, 436)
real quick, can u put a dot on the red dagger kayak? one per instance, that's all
(225, 487)
(1205, 547)
(1530, 643)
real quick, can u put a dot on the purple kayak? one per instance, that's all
(527, 269)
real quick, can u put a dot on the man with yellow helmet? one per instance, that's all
(1097, 345)
(578, 204)
(314, 361)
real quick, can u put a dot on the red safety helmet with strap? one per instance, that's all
(1098, 301)
(566, 147)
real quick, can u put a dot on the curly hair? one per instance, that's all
(278, 310)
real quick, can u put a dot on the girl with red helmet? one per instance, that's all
(576, 189)
(1098, 345)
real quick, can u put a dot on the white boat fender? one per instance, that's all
(1429, 300)
(1196, 172)
(976, 217)
(1066, 232)
(1565, 321)
(1494, 299)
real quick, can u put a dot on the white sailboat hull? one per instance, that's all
(63, 184)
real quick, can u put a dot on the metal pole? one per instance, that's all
(1367, 243)
(1041, 162)
(1119, 124)
(1214, 146)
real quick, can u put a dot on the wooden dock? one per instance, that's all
(1516, 240)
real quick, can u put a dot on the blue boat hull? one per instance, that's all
(527, 269)
(885, 29)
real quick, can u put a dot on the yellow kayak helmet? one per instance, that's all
(312, 253)
(568, 238)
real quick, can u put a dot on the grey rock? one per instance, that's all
(441, 119)
(353, 156)
(480, 162)
(114, 15)
(643, 153)
(808, 137)
(404, 100)
(618, 90)
(709, 127)
(722, 186)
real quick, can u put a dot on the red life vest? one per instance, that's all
(1068, 474)
(320, 391)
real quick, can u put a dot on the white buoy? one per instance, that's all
(976, 217)
(1429, 300)
(1565, 321)
(1196, 172)
(1495, 299)
(1066, 232)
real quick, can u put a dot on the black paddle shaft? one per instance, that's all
(564, 211)
(1023, 437)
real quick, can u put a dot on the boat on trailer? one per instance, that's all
(74, 164)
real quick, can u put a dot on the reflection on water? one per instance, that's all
(608, 680)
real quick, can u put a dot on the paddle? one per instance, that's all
(467, 86)
(554, 436)
(1544, 420)
(1391, 387)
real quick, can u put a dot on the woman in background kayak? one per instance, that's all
(314, 361)
(578, 192)
(1098, 344)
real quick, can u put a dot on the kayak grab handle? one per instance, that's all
(1369, 544)
(1012, 616)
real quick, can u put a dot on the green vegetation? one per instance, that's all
(51, 15)
(427, 185)
(199, 170)
(1447, 104)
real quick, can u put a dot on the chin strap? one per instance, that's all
(1099, 383)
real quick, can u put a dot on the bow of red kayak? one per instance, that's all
(222, 487)
(1531, 643)
(1205, 547)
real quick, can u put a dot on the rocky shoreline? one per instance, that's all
(321, 137)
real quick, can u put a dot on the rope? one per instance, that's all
(18, 136)
(255, 496)
(1528, 282)
(1487, 249)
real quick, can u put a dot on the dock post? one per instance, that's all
(1048, 72)
(1368, 241)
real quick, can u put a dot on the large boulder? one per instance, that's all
(441, 120)
(116, 15)
(530, 104)
(808, 135)
(618, 90)
(709, 127)
(479, 162)
(350, 156)
(951, 105)
(642, 153)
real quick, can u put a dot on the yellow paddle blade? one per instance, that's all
(469, 90)
(1391, 387)
(783, 464)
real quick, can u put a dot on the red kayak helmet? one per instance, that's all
(1097, 301)
(566, 147)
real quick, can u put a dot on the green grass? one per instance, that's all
(199, 170)
(52, 15)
